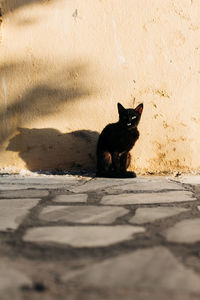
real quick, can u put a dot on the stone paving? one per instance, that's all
(75, 237)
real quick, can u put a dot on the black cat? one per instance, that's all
(115, 142)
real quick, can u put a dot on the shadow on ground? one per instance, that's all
(48, 149)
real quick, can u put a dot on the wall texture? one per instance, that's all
(64, 65)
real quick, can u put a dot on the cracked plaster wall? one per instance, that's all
(64, 65)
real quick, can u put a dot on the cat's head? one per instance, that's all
(129, 118)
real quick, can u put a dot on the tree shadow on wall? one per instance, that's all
(50, 150)
(44, 98)
(10, 5)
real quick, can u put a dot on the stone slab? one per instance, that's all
(13, 211)
(76, 198)
(100, 183)
(147, 185)
(82, 214)
(148, 198)
(189, 179)
(186, 231)
(151, 214)
(12, 187)
(82, 236)
(6, 187)
(39, 182)
(23, 194)
(38, 179)
(154, 269)
(11, 279)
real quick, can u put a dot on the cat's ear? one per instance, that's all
(139, 108)
(120, 107)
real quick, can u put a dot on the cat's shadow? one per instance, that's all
(48, 149)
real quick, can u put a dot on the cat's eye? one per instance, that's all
(134, 117)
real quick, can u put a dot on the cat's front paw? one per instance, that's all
(129, 174)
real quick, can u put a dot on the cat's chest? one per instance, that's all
(124, 140)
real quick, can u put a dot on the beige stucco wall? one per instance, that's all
(64, 65)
